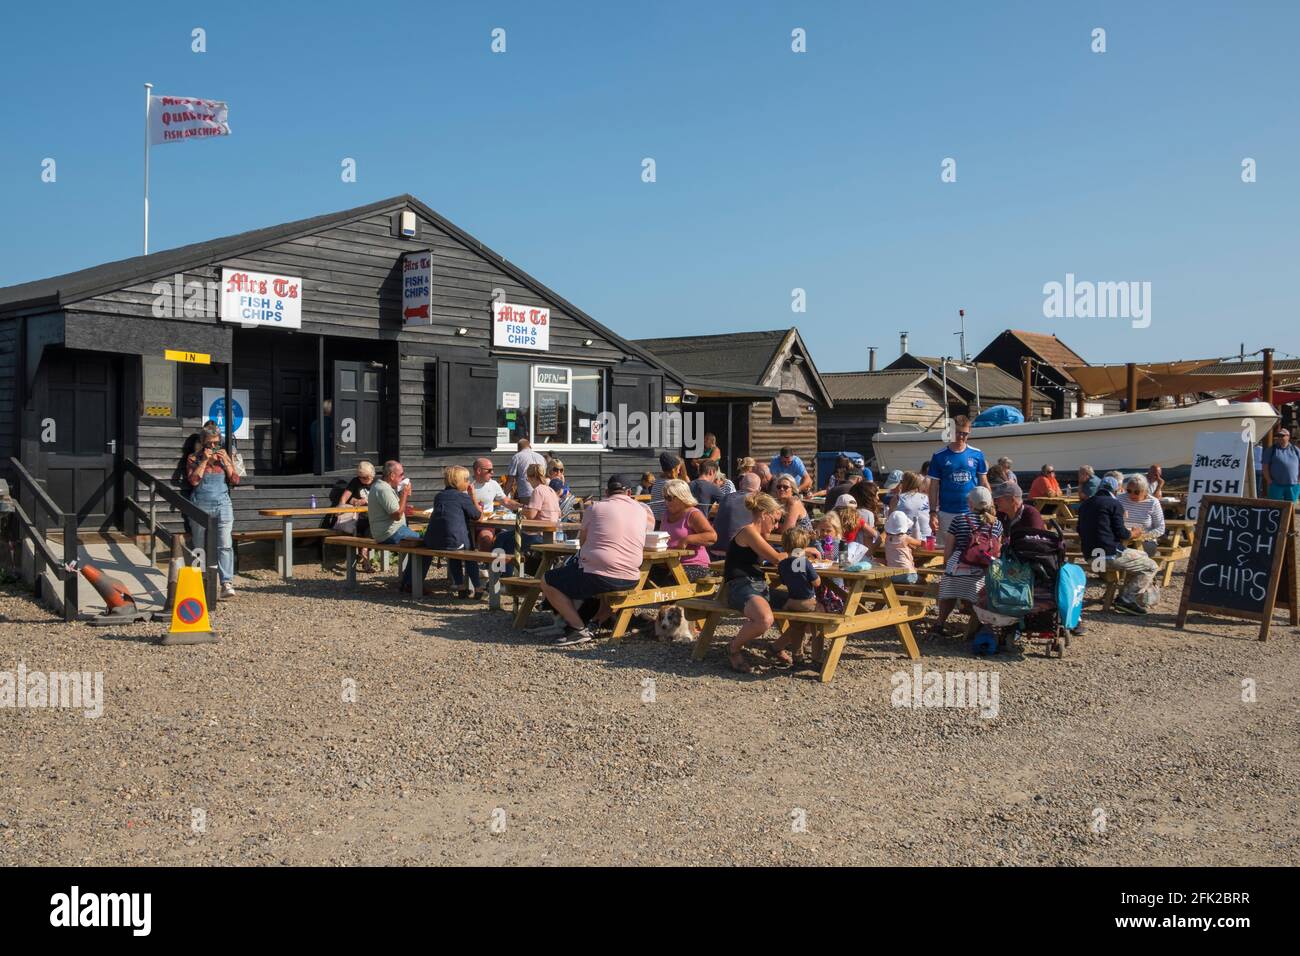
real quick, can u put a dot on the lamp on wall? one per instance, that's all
(587, 342)
(462, 331)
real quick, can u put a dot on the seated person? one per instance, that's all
(687, 528)
(612, 550)
(543, 504)
(1102, 532)
(707, 488)
(800, 581)
(454, 513)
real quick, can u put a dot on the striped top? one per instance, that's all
(1146, 514)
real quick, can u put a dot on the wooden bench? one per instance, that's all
(353, 544)
(277, 536)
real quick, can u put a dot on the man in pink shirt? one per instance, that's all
(612, 550)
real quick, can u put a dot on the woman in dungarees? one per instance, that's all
(211, 474)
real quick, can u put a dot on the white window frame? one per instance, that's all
(533, 387)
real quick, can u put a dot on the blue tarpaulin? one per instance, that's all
(999, 415)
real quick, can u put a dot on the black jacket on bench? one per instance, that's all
(1101, 524)
(454, 513)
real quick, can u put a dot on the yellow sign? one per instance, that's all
(672, 399)
(195, 358)
(190, 608)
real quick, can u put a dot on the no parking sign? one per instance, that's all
(214, 407)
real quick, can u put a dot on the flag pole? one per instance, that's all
(147, 88)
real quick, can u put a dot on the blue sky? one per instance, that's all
(775, 170)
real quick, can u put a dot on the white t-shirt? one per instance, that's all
(486, 493)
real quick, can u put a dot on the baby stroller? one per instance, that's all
(1020, 605)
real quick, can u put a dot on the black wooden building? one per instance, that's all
(86, 381)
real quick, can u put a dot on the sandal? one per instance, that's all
(781, 659)
(745, 665)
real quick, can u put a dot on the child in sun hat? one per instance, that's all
(898, 547)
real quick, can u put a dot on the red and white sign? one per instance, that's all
(417, 288)
(521, 327)
(261, 299)
(174, 119)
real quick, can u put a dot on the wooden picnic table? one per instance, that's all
(1054, 506)
(527, 590)
(547, 529)
(870, 603)
(287, 516)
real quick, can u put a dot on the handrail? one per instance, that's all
(42, 497)
(43, 555)
(158, 488)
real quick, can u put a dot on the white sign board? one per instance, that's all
(1218, 468)
(214, 407)
(174, 119)
(261, 299)
(417, 288)
(521, 327)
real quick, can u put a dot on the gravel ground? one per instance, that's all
(470, 743)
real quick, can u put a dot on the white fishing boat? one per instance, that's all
(1126, 441)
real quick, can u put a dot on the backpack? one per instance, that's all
(985, 544)
(1009, 587)
(1070, 584)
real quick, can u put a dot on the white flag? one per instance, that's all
(173, 119)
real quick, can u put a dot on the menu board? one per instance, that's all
(1243, 560)
(546, 414)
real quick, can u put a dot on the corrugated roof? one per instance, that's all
(994, 384)
(871, 386)
(1220, 368)
(737, 357)
(742, 357)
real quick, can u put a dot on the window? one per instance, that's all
(158, 387)
(551, 405)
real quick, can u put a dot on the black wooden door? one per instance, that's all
(295, 396)
(358, 407)
(79, 427)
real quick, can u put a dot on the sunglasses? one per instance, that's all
(963, 434)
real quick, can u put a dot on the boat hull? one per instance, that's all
(1121, 441)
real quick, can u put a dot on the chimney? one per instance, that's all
(902, 343)
(871, 358)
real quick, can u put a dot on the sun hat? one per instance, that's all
(898, 523)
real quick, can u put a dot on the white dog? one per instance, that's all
(671, 625)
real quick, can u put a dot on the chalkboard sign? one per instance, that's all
(546, 416)
(1243, 560)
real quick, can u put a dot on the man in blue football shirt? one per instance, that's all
(953, 472)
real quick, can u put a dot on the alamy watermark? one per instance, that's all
(921, 688)
(68, 690)
(1098, 300)
(672, 429)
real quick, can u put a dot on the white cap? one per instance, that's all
(845, 501)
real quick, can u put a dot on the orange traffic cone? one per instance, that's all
(119, 605)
